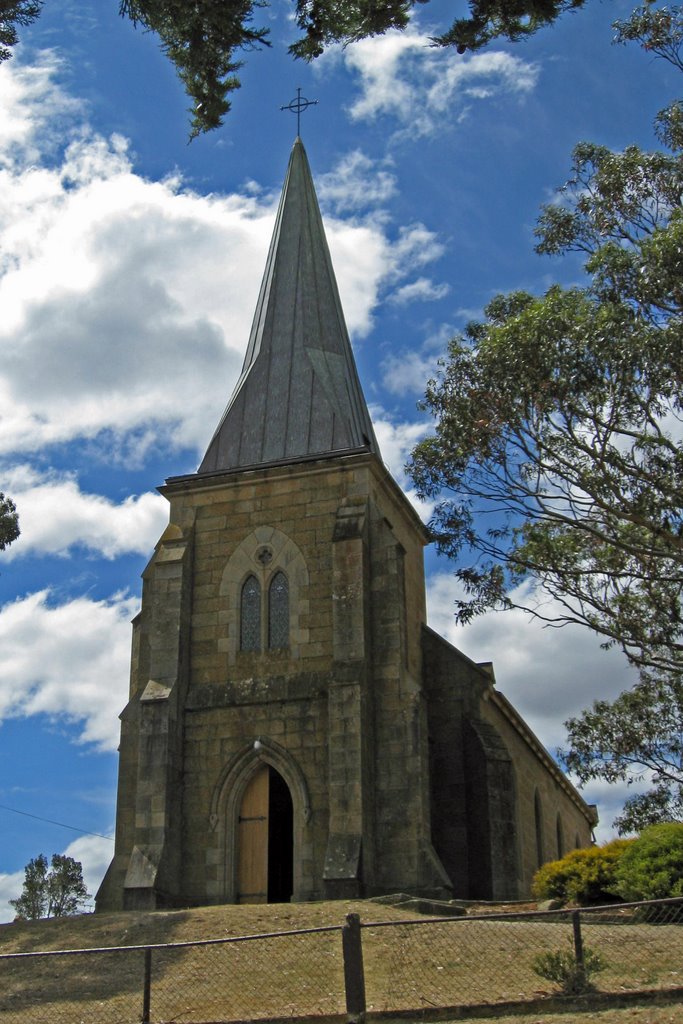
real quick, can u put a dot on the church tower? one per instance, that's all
(294, 730)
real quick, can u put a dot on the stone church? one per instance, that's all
(295, 730)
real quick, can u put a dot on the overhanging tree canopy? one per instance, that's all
(558, 419)
(204, 38)
(635, 737)
(557, 455)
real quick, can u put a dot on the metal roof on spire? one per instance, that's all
(298, 394)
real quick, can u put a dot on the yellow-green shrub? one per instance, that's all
(581, 876)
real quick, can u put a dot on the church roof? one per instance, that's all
(298, 394)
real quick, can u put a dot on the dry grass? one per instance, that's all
(409, 966)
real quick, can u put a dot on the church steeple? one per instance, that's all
(298, 394)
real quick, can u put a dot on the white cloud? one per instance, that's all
(403, 76)
(10, 888)
(549, 674)
(355, 183)
(609, 797)
(67, 661)
(56, 516)
(95, 854)
(396, 440)
(108, 321)
(33, 108)
(416, 247)
(407, 372)
(421, 290)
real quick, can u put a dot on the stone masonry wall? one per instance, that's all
(537, 786)
(356, 734)
(468, 716)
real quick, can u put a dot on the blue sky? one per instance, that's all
(130, 264)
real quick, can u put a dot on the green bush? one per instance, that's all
(652, 867)
(581, 876)
(560, 966)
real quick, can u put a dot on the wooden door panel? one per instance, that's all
(252, 841)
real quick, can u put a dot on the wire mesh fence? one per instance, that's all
(287, 974)
(416, 964)
(523, 957)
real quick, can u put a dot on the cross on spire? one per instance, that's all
(296, 106)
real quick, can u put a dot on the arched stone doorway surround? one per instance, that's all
(225, 809)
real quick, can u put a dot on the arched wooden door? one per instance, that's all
(265, 840)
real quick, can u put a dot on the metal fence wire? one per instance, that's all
(414, 965)
(474, 961)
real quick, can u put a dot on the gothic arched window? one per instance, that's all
(278, 612)
(250, 615)
(538, 822)
(560, 836)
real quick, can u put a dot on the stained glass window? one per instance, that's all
(250, 615)
(278, 611)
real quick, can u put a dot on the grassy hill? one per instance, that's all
(131, 928)
(416, 966)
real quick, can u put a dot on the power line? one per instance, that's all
(61, 824)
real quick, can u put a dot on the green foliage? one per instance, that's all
(657, 30)
(561, 967)
(621, 740)
(9, 521)
(652, 867)
(59, 892)
(582, 876)
(494, 19)
(556, 418)
(13, 13)
(557, 421)
(325, 21)
(201, 39)
(32, 904)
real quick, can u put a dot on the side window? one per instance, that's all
(278, 612)
(560, 837)
(538, 823)
(250, 615)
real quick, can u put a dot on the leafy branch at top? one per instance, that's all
(203, 38)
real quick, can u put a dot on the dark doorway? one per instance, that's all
(280, 840)
(265, 840)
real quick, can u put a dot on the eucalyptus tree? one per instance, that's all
(556, 459)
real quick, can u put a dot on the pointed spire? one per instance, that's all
(298, 394)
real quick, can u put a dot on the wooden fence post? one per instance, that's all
(578, 944)
(147, 987)
(354, 976)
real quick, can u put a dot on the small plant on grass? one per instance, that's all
(562, 967)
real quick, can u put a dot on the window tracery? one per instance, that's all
(278, 612)
(250, 615)
(264, 613)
